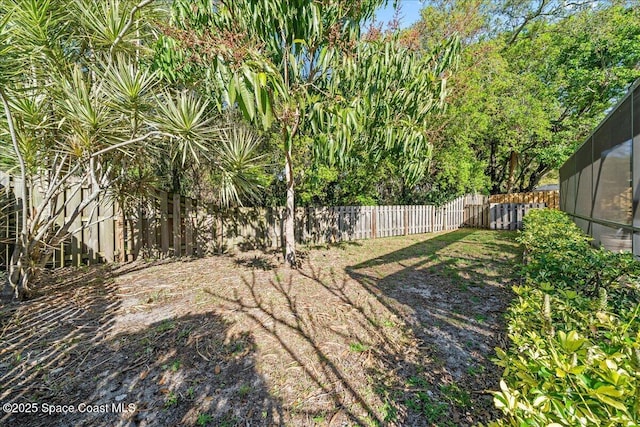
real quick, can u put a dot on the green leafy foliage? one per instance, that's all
(80, 107)
(574, 328)
(535, 78)
(380, 97)
(301, 70)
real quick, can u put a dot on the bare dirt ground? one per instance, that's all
(396, 331)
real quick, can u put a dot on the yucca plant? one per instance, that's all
(80, 109)
(239, 164)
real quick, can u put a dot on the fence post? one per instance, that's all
(8, 235)
(492, 216)
(519, 213)
(188, 226)
(76, 237)
(444, 218)
(118, 233)
(406, 220)
(107, 231)
(152, 223)
(433, 219)
(138, 236)
(164, 223)
(374, 222)
(177, 229)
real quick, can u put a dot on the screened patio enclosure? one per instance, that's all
(600, 183)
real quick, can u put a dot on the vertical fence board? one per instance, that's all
(177, 235)
(154, 221)
(188, 227)
(106, 229)
(93, 244)
(164, 223)
(374, 222)
(74, 199)
(7, 205)
(169, 224)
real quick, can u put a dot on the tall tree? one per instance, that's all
(530, 89)
(270, 57)
(288, 65)
(380, 99)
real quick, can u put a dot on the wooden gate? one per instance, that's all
(508, 216)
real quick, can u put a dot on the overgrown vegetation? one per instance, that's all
(132, 95)
(535, 78)
(304, 74)
(81, 107)
(574, 358)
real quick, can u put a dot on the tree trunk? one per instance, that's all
(19, 264)
(492, 168)
(535, 176)
(513, 163)
(289, 218)
(19, 273)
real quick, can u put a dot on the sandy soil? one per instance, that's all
(396, 331)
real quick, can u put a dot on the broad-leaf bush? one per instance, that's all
(574, 328)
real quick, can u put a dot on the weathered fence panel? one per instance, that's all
(508, 216)
(164, 224)
(10, 214)
(476, 211)
(550, 198)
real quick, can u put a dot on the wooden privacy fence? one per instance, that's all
(476, 211)
(188, 228)
(251, 227)
(165, 224)
(94, 236)
(551, 198)
(480, 212)
(508, 216)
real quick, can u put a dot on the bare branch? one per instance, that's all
(127, 26)
(130, 141)
(23, 168)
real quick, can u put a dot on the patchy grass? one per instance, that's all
(395, 331)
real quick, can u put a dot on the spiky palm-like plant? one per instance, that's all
(80, 110)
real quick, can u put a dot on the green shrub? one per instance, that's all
(574, 326)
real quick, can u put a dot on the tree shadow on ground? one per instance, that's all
(58, 349)
(401, 339)
(452, 291)
(261, 262)
(304, 341)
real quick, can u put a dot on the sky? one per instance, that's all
(409, 15)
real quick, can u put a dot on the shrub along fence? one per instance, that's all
(574, 353)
